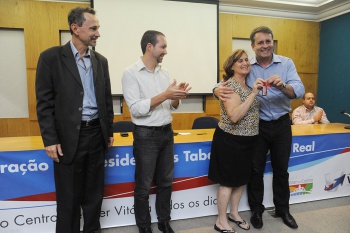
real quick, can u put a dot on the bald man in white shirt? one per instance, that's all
(309, 113)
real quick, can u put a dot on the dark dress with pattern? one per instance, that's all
(234, 143)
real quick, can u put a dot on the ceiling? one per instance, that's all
(311, 10)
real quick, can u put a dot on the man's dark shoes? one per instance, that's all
(145, 230)
(256, 219)
(288, 219)
(165, 227)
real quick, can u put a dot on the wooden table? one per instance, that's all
(198, 135)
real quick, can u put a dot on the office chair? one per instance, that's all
(123, 126)
(205, 123)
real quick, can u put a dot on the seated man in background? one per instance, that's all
(308, 113)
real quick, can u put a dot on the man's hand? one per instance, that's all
(318, 117)
(223, 92)
(184, 86)
(176, 92)
(53, 151)
(110, 141)
(275, 81)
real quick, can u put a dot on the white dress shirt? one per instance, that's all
(140, 85)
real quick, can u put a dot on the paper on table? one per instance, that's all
(184, 133)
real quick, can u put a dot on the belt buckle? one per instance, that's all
(87, 123)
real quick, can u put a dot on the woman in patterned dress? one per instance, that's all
(233, 140)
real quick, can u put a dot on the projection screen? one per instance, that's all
(191, 30)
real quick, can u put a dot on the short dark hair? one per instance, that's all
(149, 36)
(263, 29)
(76, 15)
(307, 92)
(230, 60)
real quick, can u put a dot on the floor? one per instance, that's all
(326, 216)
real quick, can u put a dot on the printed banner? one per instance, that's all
(319, 169)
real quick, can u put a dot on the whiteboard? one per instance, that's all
(190, 29)
(245, 44)
(13, 76)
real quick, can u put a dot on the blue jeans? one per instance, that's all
(154, 156)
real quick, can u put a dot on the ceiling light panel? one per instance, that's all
(309, 3)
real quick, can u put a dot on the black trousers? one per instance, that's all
(80, 185)
(275, 136)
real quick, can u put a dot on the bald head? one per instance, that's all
(309, 100)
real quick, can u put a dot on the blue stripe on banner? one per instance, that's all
(25, 173)
(191, 160)
(307, 151)
(120, 165)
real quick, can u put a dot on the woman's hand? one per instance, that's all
(258, 86)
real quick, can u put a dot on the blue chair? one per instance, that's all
(123, 126)
(205, 123)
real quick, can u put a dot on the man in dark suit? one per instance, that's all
(75, 114)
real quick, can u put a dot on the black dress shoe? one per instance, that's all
(256, 219)
(165, 227)
(145, 230)
(288, 219)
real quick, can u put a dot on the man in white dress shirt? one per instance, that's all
(150, 98)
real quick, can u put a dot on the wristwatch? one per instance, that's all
(284, 86)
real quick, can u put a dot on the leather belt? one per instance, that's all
(279, 119)
(90, 122)
(157, 128)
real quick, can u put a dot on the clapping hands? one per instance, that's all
(179, 91)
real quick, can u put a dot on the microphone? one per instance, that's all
(343, 112)
(347, 114)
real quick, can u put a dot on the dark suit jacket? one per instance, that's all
(59, 93)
